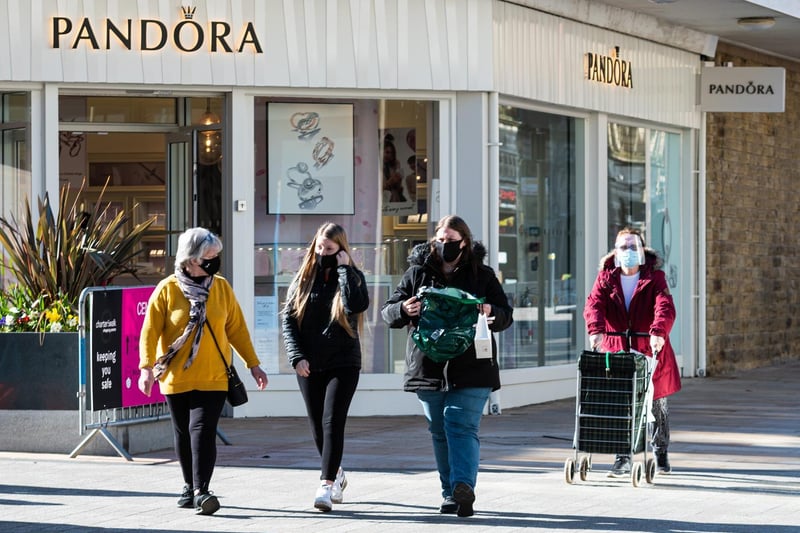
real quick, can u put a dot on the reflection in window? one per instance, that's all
(15, 162)
(626, 180)
(536, 228)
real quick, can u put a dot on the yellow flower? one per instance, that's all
(53, 315)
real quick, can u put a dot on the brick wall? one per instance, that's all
(753, 228)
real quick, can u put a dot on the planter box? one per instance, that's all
(39, 371)
(39, 404)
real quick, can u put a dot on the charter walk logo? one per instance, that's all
(187, 34)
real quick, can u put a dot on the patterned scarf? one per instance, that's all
(197, 294)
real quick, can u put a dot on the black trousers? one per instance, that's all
(195, 415)
(327, 395)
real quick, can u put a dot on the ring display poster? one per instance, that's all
(310, 160)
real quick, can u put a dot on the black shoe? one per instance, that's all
(206, 503)
(449, 506)
(464, 497)
(662, 463)
(622, 467)
(187, 497)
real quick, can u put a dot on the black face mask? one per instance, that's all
(210, 266)
(449, 251)
(327, 261)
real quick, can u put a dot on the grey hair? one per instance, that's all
(193, 244)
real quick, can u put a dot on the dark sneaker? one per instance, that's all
(187, 497)
(621, 468)
(464, 497)
(206, 503)
(449, 506)
(662, 463)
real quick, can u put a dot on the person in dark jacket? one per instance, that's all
(321, 322)
(453, 393)
(631, 294)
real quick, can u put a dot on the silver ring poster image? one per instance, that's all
(310, 160)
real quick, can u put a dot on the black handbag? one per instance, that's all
(237, 394)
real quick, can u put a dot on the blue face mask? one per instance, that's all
(628, 258)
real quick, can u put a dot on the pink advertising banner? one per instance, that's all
(134, 306)
(115, 324)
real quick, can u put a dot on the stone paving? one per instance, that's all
(735, 454)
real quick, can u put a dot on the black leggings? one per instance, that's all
(195, 415)
(327, 394)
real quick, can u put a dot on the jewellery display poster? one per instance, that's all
(310, 159)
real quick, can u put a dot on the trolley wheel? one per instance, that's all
(636, 474)
(650, 470)
(569, 471)
(586, 465)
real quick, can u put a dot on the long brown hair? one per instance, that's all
(304, 279)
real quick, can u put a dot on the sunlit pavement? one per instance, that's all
(735, 455)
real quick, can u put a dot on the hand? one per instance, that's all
(260, 376)
(342, 258)
(596, 341)
(486, 309)
(146, 379)
(412, 306)
(656, 343)
(302, 368)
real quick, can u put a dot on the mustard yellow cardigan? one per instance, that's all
(167, 316)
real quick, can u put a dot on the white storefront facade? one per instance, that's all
(261, 120)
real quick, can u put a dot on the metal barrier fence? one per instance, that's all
(110, 319)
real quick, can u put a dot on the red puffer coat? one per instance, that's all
(651, 311)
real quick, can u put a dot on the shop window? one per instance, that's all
(15, 162)
(537, 237)
(117, 110)
(380, 192)
(644, 168)
(147, 157)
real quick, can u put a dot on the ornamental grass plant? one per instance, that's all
(48, 262)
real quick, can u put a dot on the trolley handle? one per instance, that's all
(628, 334)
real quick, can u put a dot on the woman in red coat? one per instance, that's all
(631, 294)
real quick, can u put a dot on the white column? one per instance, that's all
(47, 181)
(239, 234)
(470, 184)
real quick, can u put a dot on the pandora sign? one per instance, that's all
(186, 35)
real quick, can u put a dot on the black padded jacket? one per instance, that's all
(465, 370)
(325, 344)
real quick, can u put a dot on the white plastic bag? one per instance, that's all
(483, 338)
(494, 403)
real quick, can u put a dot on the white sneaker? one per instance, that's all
(339, 485)
(322, 501)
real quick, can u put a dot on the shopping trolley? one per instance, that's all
(612, 406)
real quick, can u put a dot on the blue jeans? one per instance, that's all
(454, 418)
